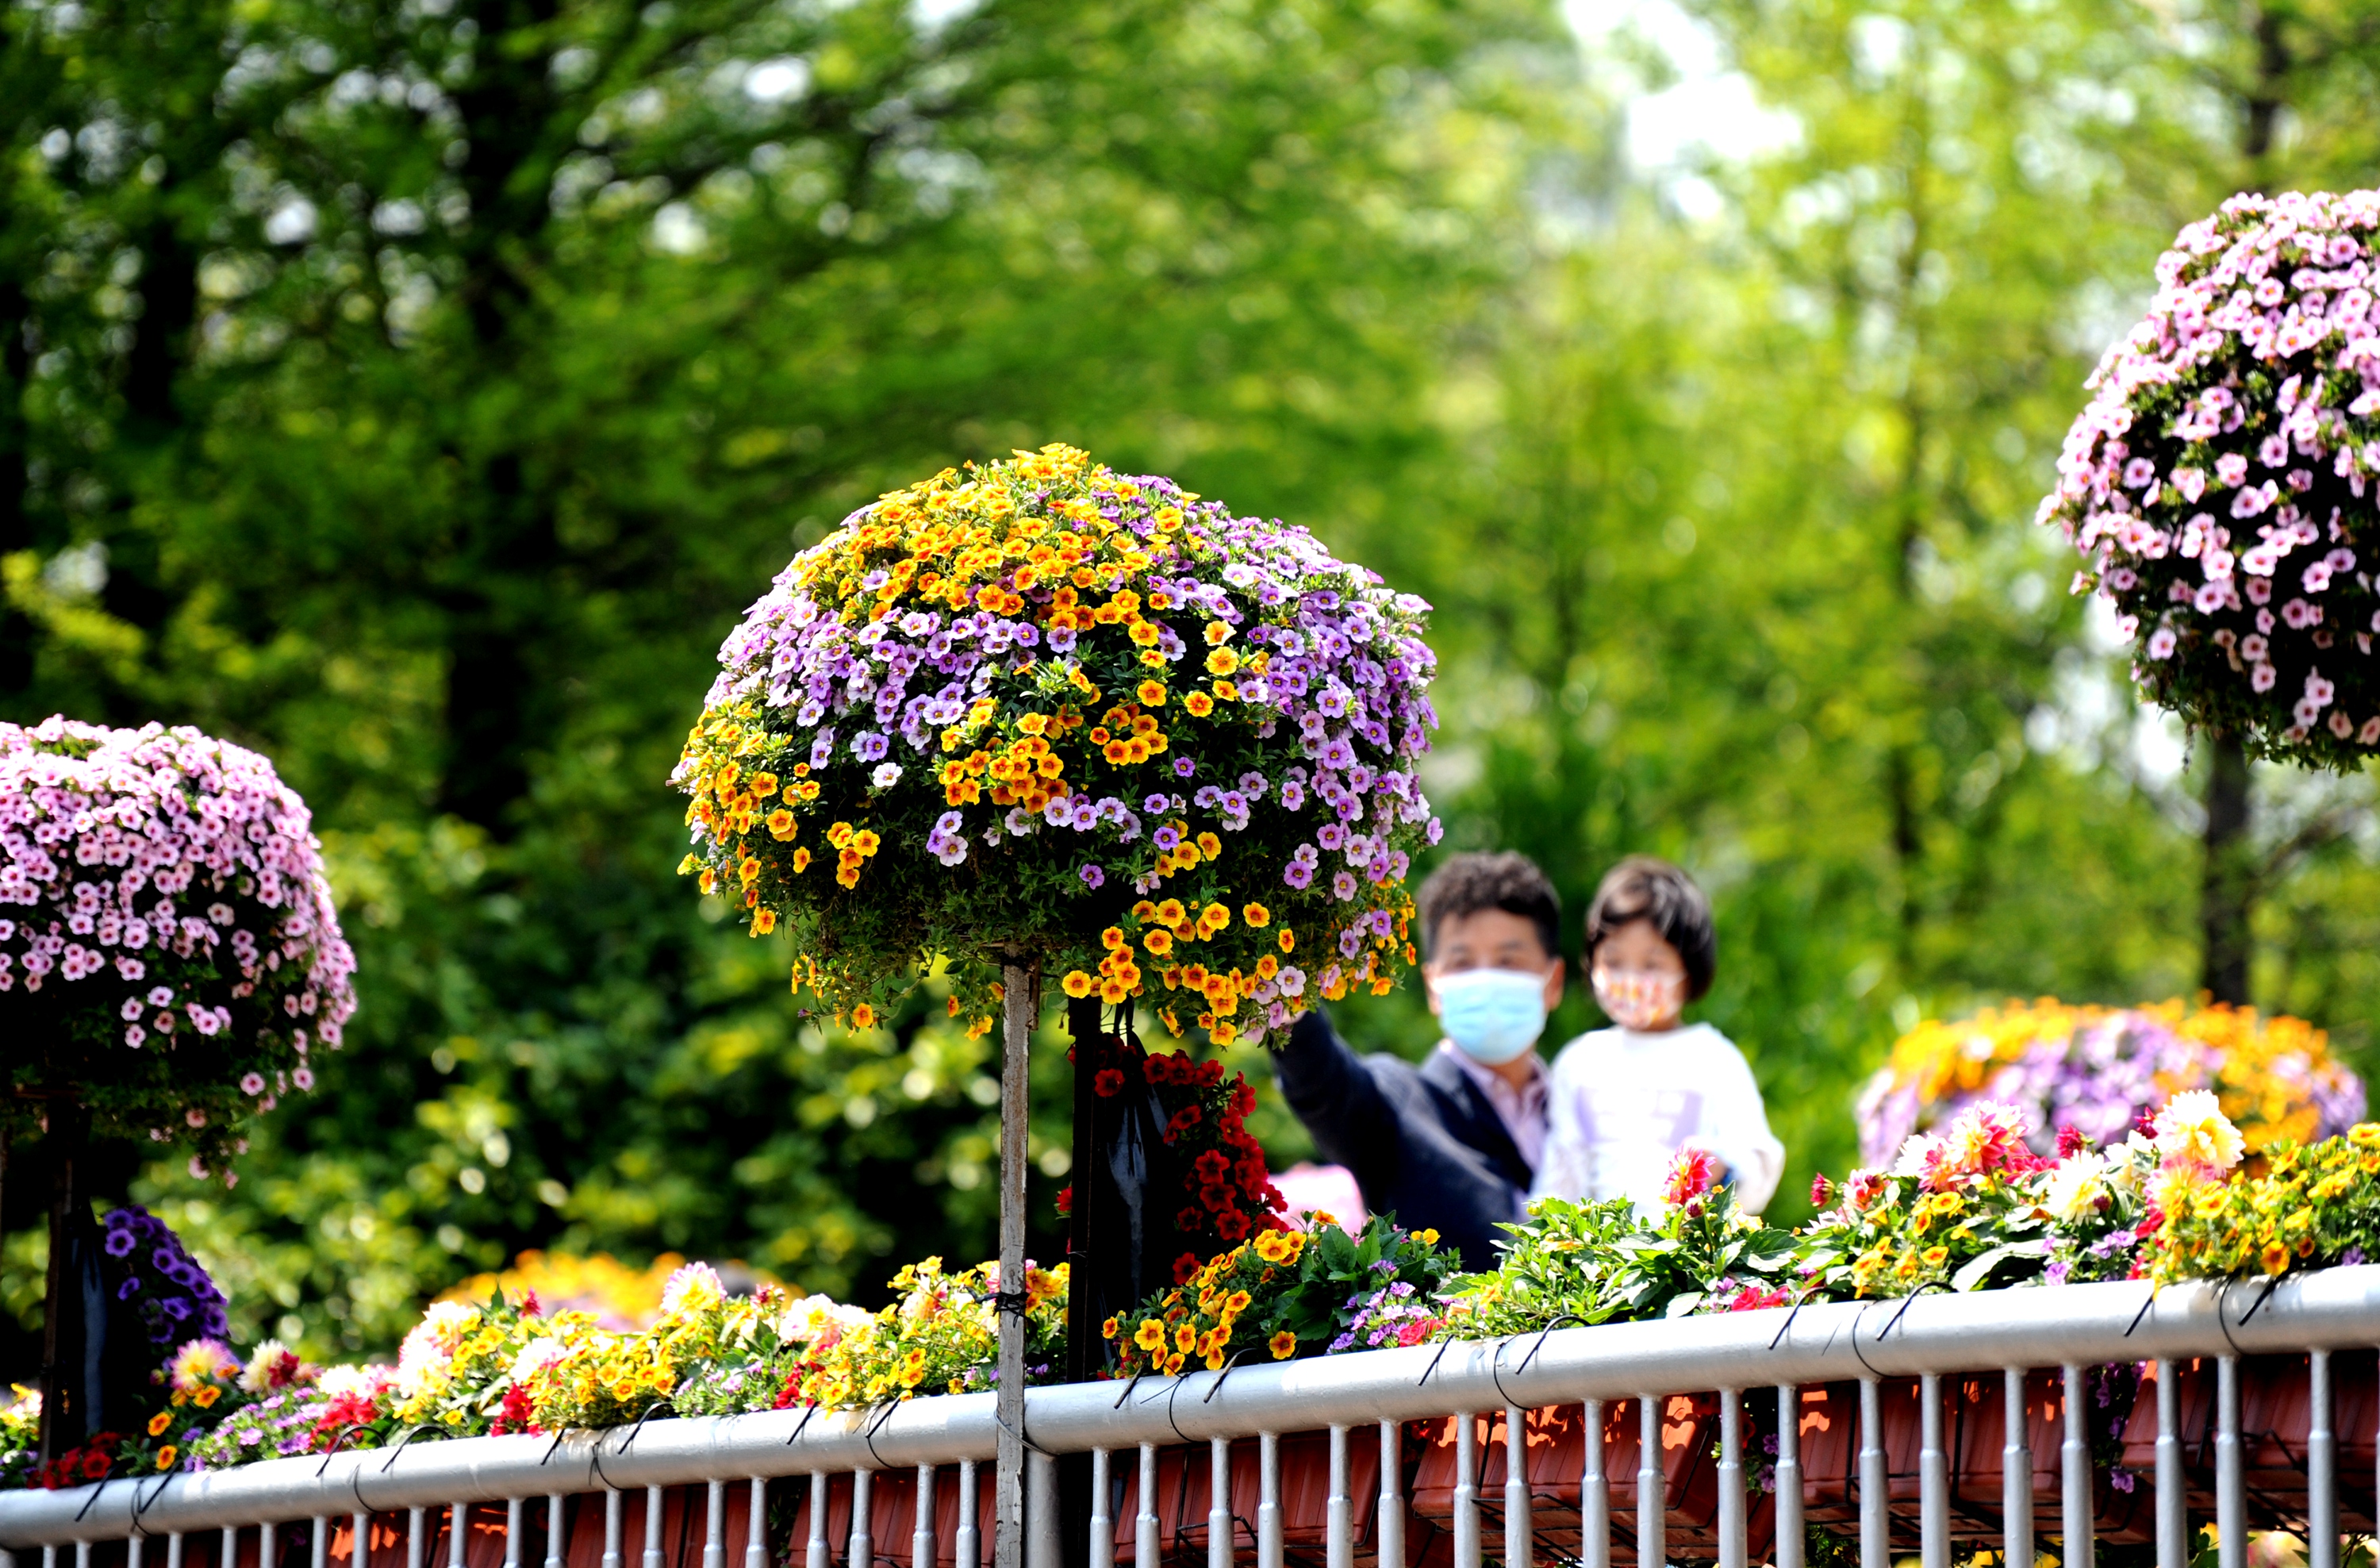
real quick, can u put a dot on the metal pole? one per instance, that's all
(1018, 985)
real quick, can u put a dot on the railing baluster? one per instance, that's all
(1391, 1527)
(2230, 1488)
(756, 1528)
(1731, 1480)
(652, 1529)
(1267, 1501)
(557, 1532)
(1652, 1488)
(859, 1547)
(2074, 1501)
(318, 1543)
(1218, 1503)
(1789, 1477)
(1338, 1527)
(1874, 1521)
(2016, 1473)
(1594, 1493)
(1102, 1516)
(2172, 1502)
(230, 1547)
(1467, 1493)
(1144, 1519)
(1519, 1546)
(616, 1505)
(1933, 1478)
(922, 1529)
(82, 1554)
(714, 1525)
(2322, 1467)
(173, 1550)
(819, 1556)
(132, 1552)
(513, 1509)
(967, 1543)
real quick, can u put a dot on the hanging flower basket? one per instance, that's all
(169, 955)
(1043, 711)
(2218, 485)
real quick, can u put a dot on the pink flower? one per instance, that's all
(1693, 1171)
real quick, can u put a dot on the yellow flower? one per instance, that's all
(1236, 1303)
(1151, 693)
(1108, 1329)
(1283, 1345)
(1185, 1338)
(159, 1422)
(1077, 984)
(166, 1455)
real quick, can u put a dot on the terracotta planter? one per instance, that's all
(1555, 1442)
(2275, 1416)
(1975, 1431)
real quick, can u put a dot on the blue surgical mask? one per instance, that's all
(1492, 1015)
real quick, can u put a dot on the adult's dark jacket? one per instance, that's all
(1422, 1141)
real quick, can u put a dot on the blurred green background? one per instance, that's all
(417, 390)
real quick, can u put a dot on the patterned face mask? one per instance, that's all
(1638, 999)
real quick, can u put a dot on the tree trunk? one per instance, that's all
(2227, 889)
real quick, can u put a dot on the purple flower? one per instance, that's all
(1183, 767)
(1092, 876)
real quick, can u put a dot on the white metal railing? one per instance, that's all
(1764, 1355)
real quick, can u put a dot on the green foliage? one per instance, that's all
(418, 394)
(1583, 1263)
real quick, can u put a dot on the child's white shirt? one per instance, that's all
(1623, 1103)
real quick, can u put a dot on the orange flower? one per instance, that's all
(1256, 914)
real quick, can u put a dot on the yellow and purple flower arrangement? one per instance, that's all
(1043, 708)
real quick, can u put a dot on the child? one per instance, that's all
(1625, 1100)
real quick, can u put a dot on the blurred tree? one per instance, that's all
(418, 390)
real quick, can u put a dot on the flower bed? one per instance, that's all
(1970, 1208)
(2097, 1069)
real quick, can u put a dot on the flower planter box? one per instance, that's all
(1975, 1431)
(1555, 1442)
(2275, 1416)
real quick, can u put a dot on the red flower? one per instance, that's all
(1820, 1190)
(1212, 1166)
(1183, 1267)
(1108, 1083)
(1232, 1225)
(1066, 1198)
(1187, 1220)
(515, 1414)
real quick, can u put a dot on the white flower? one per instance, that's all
(693, 1288)
(433, 1341)
(2074, 1185)
(536, 1357)
(887, 774)
(2191, 1131)
(1914, 1155)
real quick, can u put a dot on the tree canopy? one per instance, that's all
(417, 391)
